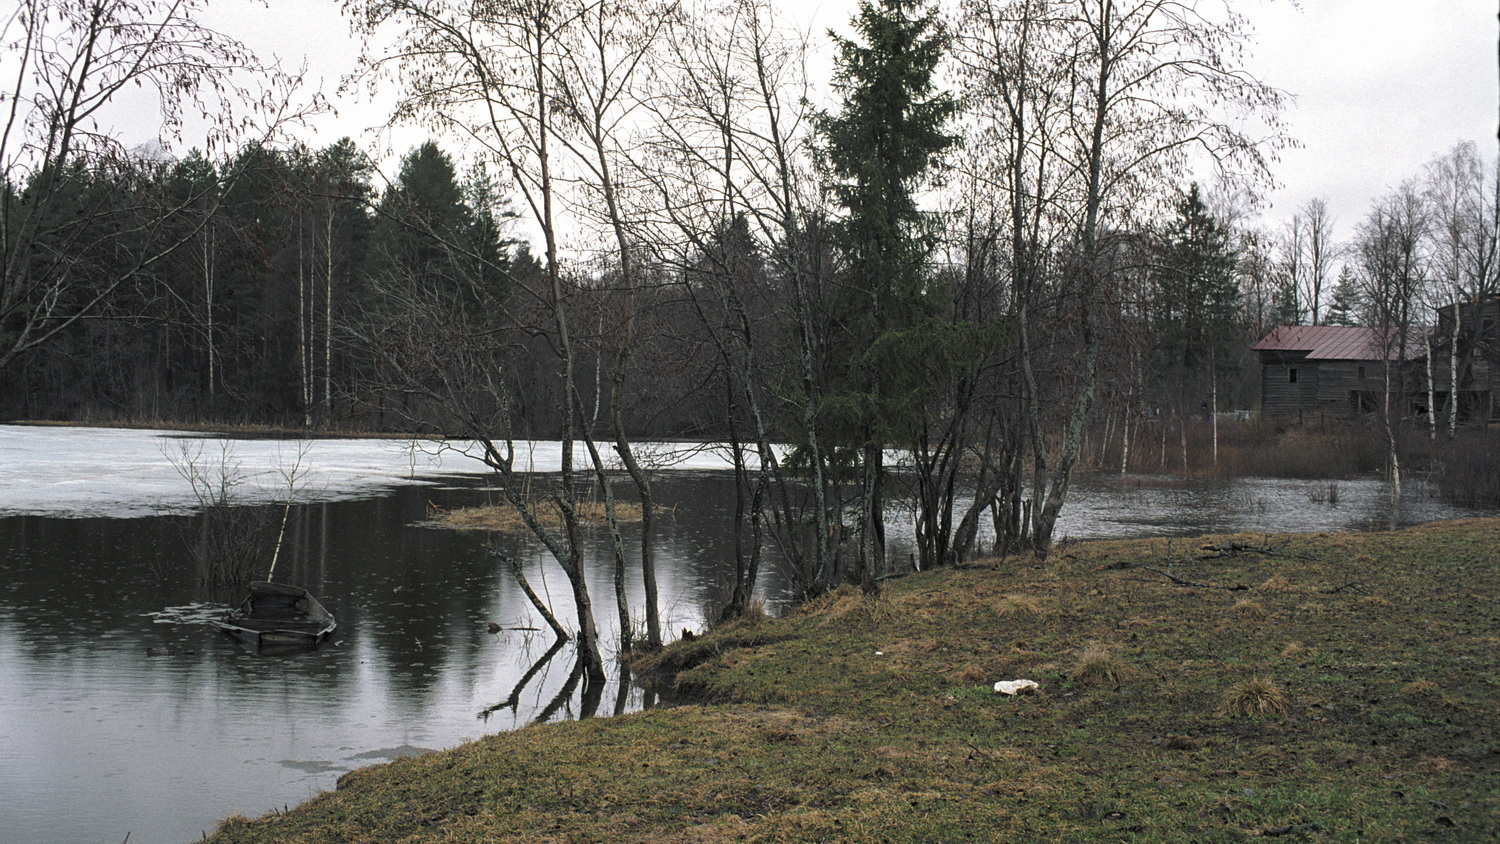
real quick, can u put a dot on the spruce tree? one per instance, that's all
(420, 219)
(1347, 301)
(1197, 299)
(878, 150)
(1284, 307)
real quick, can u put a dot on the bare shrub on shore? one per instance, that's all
(231, 540)
(1468, 470)
(1318, 451)
(1321, 494)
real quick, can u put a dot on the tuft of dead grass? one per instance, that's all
(873, 609)
(1255, 696)
(754, 615)
(835, 603)
(970, 676)
(1276, 583)
(1248, 608)
(1440, 765)
(1018, 606)
(1422, 689)
(848, 604)
(1098, 665)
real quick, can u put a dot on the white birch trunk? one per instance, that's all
(1453, 371)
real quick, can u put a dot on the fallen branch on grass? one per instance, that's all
(1234, 549)
(1234, 587)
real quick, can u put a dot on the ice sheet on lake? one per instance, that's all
(124, 473)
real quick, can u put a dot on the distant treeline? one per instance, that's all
(273, 287)
(247, 280)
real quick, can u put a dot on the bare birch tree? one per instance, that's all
(1321, 252)
(1463, 249)
(731, 176)
(604, 78)
(490, 74)
(1392, 275)
(1141, 91)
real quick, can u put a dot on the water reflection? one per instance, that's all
(513, 701)
(162, 746)
(99, 738)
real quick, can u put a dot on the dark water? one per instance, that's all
(98, 739)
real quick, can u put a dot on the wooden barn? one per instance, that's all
(1310, 372)
(1476, 324)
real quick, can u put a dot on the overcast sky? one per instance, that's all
(1379, 86)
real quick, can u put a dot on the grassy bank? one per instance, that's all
(1347, 693)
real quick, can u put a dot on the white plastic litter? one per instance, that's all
(1016, 687)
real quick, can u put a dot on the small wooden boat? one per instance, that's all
(277, 617)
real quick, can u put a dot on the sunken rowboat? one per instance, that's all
(278, 617)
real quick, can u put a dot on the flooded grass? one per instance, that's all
(506, 518)
(1354, 701)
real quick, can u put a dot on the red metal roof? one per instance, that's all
(1334, 342)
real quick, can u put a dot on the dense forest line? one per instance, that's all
(278, 260)
(283, 266)
(989, 252)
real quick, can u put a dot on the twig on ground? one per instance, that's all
(1234, 587)
(1234, 549)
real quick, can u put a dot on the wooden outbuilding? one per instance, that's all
(1310, 372)
(1474, 359)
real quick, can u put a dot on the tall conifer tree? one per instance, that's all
(878, 150)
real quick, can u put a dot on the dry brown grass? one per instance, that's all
(848, 604)
(970, 676)
(1248, 608)
(1276, 583)
(1099, 666)
(1255, 696)
(874, 609)
(835, 600)
(1018, 606)
(1440, 764)
(1422, 689)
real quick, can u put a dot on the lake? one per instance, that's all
(122, 713)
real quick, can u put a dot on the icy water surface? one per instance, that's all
(121, 712)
